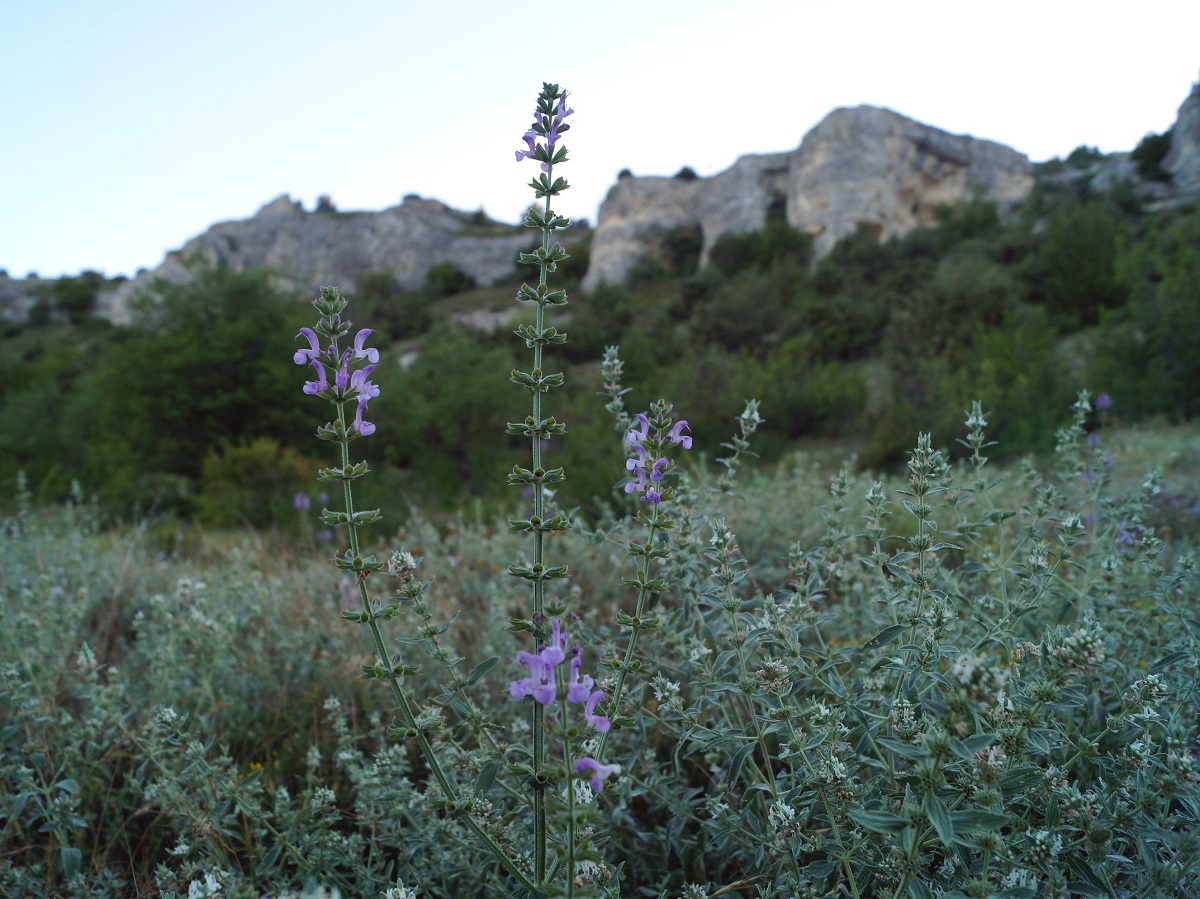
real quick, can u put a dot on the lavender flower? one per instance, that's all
(599, 772)
(347, 385)
(368, 353)
(1103, 402)
(302, 501)
(547, 125)
(542, 683)
(648, 467)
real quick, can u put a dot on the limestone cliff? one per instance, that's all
(309, 249)
(861, 165)
(1183, 159)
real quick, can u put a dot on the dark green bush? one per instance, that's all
(1149, 155)
(443, 279)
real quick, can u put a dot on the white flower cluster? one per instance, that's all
(208, 888)
(323, 798)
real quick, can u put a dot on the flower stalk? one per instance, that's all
(541, 140)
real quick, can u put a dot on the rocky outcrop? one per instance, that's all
(308, 249)
(1183, 159)
(18, 296)
(637, 210)
(875, 167)
(858, 166)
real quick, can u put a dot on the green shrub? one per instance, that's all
(1149, 155)
(252, 484)
(443, 279)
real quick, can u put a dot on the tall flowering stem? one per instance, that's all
(649, 442)
(542, 145)
(343, 378)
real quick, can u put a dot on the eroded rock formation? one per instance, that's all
(309, 249)
(858, 166)
(1183, 159)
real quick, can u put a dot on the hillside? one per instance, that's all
(194, 409)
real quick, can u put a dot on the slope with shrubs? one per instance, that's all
(864, 347)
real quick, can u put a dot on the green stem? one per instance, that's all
(627, 659)
(538, 721)
(403, 704)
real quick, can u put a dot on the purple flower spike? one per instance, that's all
(599, 772)
(652, 496)
(677, 436)
(361, 352)
(302, 501)
(1103, 401)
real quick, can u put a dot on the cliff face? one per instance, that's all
(637, 209)
(876, 167)
(861, 165)
(1183, 159)
(309, 249)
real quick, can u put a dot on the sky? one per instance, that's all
(131, 127)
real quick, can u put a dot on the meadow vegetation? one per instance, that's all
(939, 640)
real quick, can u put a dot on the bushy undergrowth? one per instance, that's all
(964, 682)
(957, 682)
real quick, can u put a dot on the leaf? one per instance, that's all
(739, 759)
(1171, 659)
(723, 659)
(487, 776)
(271, 857)
(19, 803)
(966, 748)
(482, 668)
(1018, 780)
(887, 635)
(1038, 742)
(908, 750)
(71, 858)
(918, 890)
(940, 819)
(878, 822)
(977, 820)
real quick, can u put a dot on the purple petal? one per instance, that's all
(599, 772)
(312, 388)
(303, 357)
(599, 722)
(364, 427)
(639, 434)
(554, 653)
(368, 353)
(679, 439)
(580, 687)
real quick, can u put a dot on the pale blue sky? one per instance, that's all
(131, 127)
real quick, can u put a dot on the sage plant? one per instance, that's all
(342, 378)
(542, 145)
